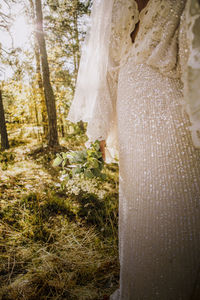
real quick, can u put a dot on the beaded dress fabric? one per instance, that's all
(159, 188)
(159, 165)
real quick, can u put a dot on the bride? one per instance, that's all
(138, 89)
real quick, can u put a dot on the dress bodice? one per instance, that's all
(108, 47)
(157, 40)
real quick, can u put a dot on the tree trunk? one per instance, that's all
(3, 130)
(39, 77)
(76, 40)
(41, 92)
(48, 91)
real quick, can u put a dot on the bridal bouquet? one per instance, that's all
(87, 163)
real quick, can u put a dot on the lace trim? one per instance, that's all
(190, 62)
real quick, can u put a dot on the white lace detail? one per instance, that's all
(157, 41)
(125, 16)
(91, 82)
(190, 63)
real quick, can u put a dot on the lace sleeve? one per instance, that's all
(106, 43)
(157, 41)
(189, 49)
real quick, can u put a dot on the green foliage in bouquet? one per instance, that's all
(88, 163)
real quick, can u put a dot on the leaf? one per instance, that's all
(79, 157)
(77, 170)
(64, 162)
(88, 174)
(97, 146)
(83, 154)
(103, 176)
(72, 159)
(99, 154)
(57, 161)
(91, 153)
(94, 163)
(64, 155)
(96, 172)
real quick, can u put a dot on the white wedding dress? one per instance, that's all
(159, 161)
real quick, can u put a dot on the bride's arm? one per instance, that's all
(116, 43)
(96, 89)
(102, 148)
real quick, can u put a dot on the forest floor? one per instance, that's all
(55, 243)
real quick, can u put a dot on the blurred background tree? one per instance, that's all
(64, 27)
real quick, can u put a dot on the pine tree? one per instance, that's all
(49, 95)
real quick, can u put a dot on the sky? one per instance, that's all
(20, 32)
(19, 26)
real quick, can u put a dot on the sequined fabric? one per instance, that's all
(159, 188)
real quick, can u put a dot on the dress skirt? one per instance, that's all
(159, 189)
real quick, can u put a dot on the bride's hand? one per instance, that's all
(102, 148)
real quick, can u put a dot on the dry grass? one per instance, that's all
(55, 244)
(76, 264)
